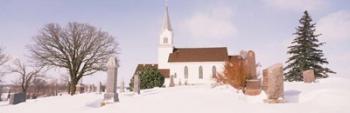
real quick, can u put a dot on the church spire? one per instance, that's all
(166, 21)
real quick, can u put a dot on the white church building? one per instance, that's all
(191, 65)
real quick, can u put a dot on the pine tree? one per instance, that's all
(149, 78)
(305, 52)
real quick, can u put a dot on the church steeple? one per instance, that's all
(166, 35)
(166, 19)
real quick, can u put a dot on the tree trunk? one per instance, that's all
(72, 87)
(68, 87)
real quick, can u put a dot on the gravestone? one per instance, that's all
(186, 83)
(17, 98)
(82, 88)
(275, 88)
(91, 88)
(122, 87)
(253, 87)
(309, 76)
(79, 88)
(111, 84)
(251, 65)
(265, 80)
(99, 87)
(87, 88)
(137, 83)
(95, 88)
(171, 83)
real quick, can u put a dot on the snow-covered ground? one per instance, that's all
(331, 95)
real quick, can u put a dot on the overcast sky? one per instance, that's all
(265, 26)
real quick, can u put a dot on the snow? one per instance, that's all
(329, 95)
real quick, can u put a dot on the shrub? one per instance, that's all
(150, 78)
(234, 73)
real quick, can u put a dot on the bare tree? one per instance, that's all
(64, 81)
(39, 86)
(3, 59)
(26, 75)
(82, 49)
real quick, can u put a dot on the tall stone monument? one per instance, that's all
(275, 88)
(111, 84)
(137, 83)
(249, 63)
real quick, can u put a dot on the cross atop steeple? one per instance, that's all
(166, 19)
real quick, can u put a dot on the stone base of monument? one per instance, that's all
(274, 101)
(252, 92)
(253, 87)
(113, 97)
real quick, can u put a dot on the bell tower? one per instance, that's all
(165, 41)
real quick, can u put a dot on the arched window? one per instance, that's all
(186, 72)
(200, 72)
(165, 40)
(214, 71)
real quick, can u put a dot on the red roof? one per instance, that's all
(198, 54)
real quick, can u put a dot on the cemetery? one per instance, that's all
(77, 67)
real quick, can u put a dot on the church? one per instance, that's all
(190, 65)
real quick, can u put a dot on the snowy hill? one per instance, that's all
(329, 95)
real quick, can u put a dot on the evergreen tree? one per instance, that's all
(149, 78)
(305, 52)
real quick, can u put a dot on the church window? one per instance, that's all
(200, 72)
(165, 40)
(214, 71)
(186, 72)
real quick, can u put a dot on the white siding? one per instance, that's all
(193, 71)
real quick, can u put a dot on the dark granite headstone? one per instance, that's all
(100, 88)
(17, 98)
